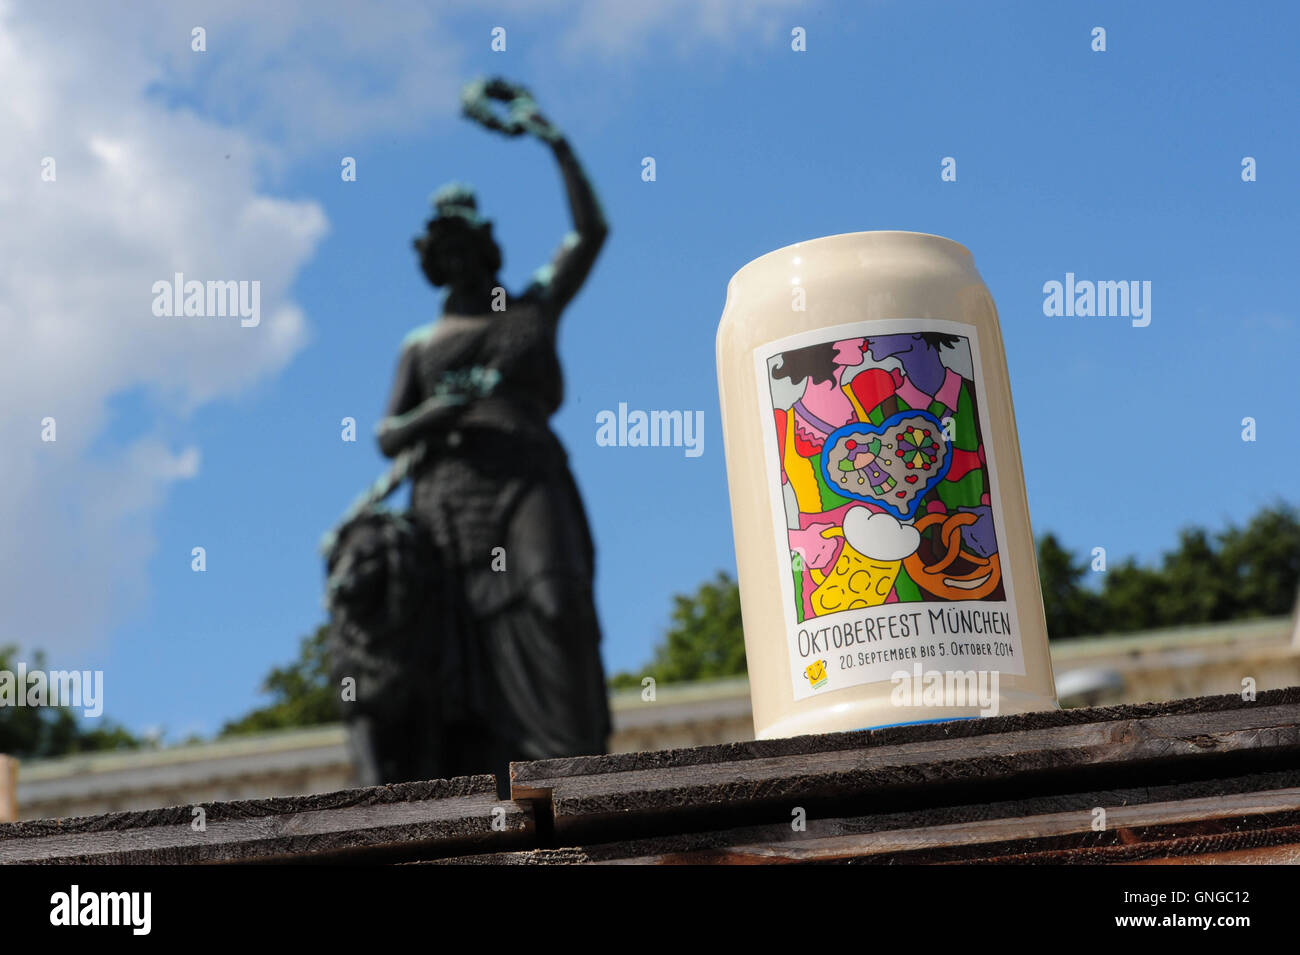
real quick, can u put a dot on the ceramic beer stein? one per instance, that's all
(886, 562)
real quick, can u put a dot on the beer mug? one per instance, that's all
(886, 561)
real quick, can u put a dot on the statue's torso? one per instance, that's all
(498, 450)
(509, 355)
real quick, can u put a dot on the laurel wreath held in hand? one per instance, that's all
(521, 112)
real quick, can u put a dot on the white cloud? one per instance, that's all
(142, 191)
(610, 30)
(300, 74)
(879, 536)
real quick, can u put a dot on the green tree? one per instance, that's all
(1241, 572)
(1194, 585)
(1072, 609)
(705, 640)
(301, 693)
(1130, 596)
(1262, 563)
(42, 732)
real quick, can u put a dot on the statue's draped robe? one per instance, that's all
(521, 675)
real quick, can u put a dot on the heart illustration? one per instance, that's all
(893, 464)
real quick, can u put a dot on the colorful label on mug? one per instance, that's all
(882, 480)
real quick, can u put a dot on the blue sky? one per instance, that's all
(1117, 165)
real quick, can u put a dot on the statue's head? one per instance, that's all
(457, 247)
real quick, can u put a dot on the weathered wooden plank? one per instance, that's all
(526, 778)
(598, 792)
(8, 789)
(386, 822)
(1010, 831)
(1264, 844)
(1126, 826)
(1284, 854)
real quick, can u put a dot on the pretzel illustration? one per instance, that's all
(980, 582)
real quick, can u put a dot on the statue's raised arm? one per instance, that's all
(559, 280)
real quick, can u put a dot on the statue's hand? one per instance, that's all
(399, 432)
(530, 118)
(521, 112)
(476, 103)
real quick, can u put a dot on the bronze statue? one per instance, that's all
(469, 623)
